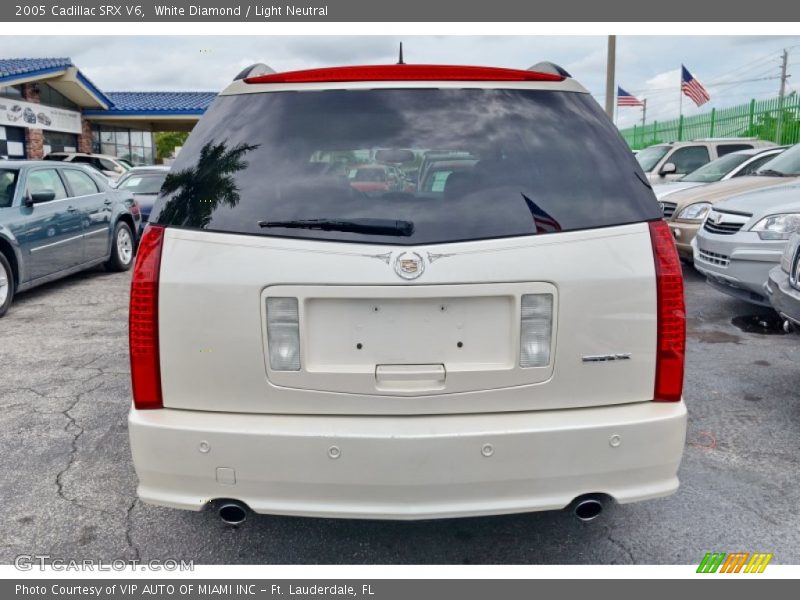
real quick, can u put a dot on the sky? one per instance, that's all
(733, 68)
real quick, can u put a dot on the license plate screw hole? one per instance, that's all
(460, 344)
(359, 346)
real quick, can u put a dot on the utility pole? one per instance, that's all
(781, 94)
(611, 65)
(644, 112)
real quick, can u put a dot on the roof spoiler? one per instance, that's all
(549, 67)
(254, 71)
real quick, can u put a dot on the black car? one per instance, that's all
(44, 119)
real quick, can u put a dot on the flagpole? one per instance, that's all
(680, 103)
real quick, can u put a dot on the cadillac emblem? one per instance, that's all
(409, 265)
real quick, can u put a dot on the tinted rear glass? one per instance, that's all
(544, 162)
(143, 184)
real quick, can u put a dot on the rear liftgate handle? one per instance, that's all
(410, 378)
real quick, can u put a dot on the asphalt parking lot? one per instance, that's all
(68, 485)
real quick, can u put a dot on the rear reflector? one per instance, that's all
(143, 321)
(671, 343)
(404, 73)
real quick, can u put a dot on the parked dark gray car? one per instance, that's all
(57, 219)
(783, 285)
(144, 183)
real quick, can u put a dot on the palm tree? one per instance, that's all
(194, 193)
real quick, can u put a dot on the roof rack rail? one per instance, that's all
(254, 71)
(549, 67)
(732, 138)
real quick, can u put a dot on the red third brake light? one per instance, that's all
(143, 321)
(671, 344)
(404, 73)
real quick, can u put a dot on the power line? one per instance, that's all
(736, 82)
(760, 61)
(773, 55)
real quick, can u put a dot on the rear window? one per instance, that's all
(370, 175)
(143, 184)
(277, 164)
(724, 149)
(80, 183)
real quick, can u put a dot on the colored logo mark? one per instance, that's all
(738, 562)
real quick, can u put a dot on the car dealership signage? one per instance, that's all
(15, 113)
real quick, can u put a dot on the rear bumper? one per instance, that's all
(407, 467)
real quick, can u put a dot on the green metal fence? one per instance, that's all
(757, 118)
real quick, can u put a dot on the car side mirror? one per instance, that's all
(668, 169)
(39, 197)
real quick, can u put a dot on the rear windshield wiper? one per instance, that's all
(370, 226)
(772, 173)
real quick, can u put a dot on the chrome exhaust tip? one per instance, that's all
(788, 326)
(232, 513)
(588, 508)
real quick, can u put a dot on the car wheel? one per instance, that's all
(121, 248)
(6, 284)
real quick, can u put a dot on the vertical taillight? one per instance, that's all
(283, 334)
(536, 330)
(143, 321)
(671, 343)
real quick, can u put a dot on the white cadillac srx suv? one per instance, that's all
(509, 340)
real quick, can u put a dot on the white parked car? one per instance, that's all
(669, 162)
(736, 164)
(110, 166)
(511, 342)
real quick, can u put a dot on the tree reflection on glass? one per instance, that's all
(194, 193)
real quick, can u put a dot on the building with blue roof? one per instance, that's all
(49, 105)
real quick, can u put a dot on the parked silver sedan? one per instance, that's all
(783, 285)
(744, 237)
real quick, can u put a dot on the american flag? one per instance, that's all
(542, 220)
(693, 88)
(627, 99)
